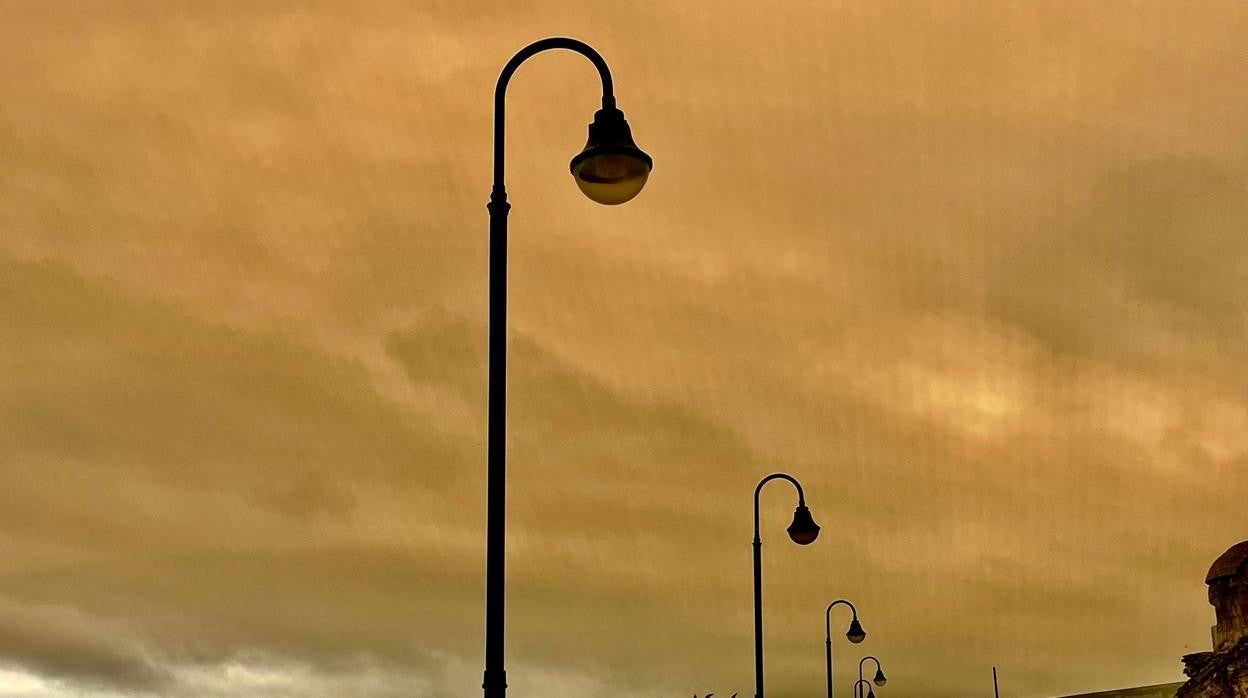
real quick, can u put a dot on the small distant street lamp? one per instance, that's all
(858, 691)
(803, 531)
(610, 170)
(879, 679)
(855, 634)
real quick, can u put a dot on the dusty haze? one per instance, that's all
(974, 272)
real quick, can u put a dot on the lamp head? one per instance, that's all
(611, 169)
(803, 530)
(880, 679)
(856, 633)
(870, 692)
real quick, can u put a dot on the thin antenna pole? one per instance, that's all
(995, 692)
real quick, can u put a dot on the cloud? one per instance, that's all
(971, 274)
(232, 478)
(268, 492)
(65, 642)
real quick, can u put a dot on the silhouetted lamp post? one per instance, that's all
(855, 634)
(879, 679)
(803, 531)
(610, 170)
(858, 691)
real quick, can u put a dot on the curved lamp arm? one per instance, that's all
(801, 496)
(879, 679)
(863, 661)
(859, 693)
(827, 619)
(500, 91)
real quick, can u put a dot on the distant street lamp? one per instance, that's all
(879, 679)
(610, 170)
(803, 531)
(858, 691)
(855, 634)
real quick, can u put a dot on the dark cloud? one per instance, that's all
(65, 642)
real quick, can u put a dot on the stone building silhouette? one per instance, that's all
(1223, 673)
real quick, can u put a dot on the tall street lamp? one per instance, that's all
(803, 531)
(855, 634)
(879, 679)
(610, 170)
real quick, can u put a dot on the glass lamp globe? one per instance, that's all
(803, 530)
(611, 169)
(856, 632)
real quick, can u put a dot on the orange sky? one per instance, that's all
(974, 272)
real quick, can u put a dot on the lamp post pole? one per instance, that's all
(611, 170)
(855, 634)
(803, 531)
(858, 692)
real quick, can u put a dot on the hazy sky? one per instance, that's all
(975, 272)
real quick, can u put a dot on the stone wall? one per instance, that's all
(1223, 673)
(1165, 690)
(1217, 674)
(1229, 596)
